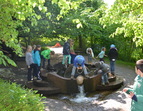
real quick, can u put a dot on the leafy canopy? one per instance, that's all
(12, 13)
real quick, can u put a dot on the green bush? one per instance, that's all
(15, 98)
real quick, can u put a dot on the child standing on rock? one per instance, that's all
(66, 52)
(30, 63)
(90, 53)
(102, 68)
(37, 60)
(136, 93)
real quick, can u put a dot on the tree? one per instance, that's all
(81, 20)
(127, 14)
(12, 13)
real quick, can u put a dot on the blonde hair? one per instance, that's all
(28, 47)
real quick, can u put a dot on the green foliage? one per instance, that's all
(6, 60)
(126, 64)
(127, 16)
(66, 19)
(12, 13)
(137, 54)
(88, 22)
(15, 98)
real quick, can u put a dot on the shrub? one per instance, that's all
(15, 98)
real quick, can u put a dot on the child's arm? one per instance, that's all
(137, 97)
(127, 90)
(131, 94)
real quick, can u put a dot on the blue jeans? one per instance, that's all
(104, 78)
(112, 66)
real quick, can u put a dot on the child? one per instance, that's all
(90, 55)
(136, 93)
(47, 55)
(66, 52)
(30, 63)
(79, 69)
(103, 68)
(37, 60)
(113, 54)
(102, 54)
(72, 53)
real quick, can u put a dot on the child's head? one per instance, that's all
(71, 44)
(52, 52)
(38, 47)
(34, 46)
(103, 49)
(112, 46)
(89, 50)
(29, 48)
(139, 67)
(69, 40)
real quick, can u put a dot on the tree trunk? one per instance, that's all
(29, 40)
(80, 42)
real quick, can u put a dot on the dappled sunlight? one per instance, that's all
(118, 99)
(110, 104)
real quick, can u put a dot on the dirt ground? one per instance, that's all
(117, 101)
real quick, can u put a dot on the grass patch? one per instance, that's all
(123, 63)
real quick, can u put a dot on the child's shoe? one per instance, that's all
(107, 83)
(103, 84)
(39, 78)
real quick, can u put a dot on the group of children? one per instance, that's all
(135, 93)
(78, 61)
(33, 61)
(34, 58)
(102, 67)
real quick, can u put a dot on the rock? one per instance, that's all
(6, 73)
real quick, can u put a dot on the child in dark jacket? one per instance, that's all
(113, 54)
(66, 52)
